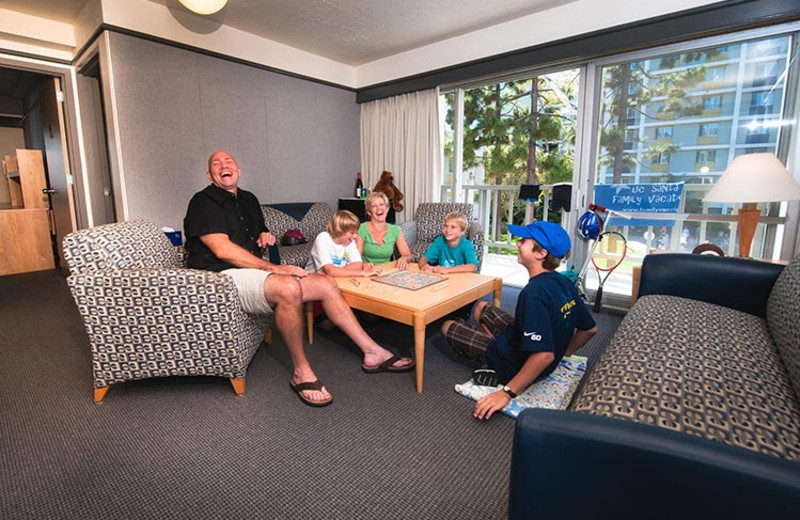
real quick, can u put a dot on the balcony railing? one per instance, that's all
(496, 206)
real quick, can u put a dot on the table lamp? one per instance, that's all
(750, 179)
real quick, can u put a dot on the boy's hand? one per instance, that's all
(426, 268)
(489, 404)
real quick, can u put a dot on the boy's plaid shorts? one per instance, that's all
(472, 342)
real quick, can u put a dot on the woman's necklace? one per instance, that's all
(378, 232)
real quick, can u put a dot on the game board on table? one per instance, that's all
(411, 280)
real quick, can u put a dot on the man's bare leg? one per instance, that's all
(317, 287)
(285, 296)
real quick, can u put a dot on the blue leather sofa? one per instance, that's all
(692, 410)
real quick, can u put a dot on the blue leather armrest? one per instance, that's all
(736, 283)
(577, 465)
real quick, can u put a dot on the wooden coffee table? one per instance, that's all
(416, 308)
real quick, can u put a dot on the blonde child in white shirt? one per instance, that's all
(335, 252)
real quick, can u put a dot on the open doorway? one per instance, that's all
(32, 120)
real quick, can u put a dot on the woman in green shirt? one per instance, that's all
(376, 239)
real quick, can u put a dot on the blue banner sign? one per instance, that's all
(662, 197)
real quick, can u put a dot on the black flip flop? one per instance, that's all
(386, 366)
(310, 385)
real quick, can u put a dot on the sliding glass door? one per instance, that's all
(667, 124)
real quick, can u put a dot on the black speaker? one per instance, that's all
(529, 192)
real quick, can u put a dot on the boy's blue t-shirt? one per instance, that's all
(439, 253)
(549, 310)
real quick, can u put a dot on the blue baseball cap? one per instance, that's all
(550, 236)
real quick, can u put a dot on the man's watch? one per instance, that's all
(509, 391)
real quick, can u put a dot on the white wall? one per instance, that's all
(30, 35)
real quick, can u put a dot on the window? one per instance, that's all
(706, 156)
(711, 102)
(518, 131)
(715, 74)
(686, 156)
(709, 130)
(664, 132)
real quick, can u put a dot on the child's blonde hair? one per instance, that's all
(342, 222)
(458, 217)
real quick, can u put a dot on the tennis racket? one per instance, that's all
(607, 256)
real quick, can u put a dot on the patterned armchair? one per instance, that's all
(147, 316)
(427, 225)
(311, 218)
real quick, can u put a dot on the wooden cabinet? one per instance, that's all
(25, 231)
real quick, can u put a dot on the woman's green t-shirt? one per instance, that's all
(378, 254)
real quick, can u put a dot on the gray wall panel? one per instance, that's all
(157, 94)
(295, 140)
(234, 117)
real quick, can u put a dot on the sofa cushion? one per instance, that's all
(697, 368)
(312, 224)
(783, 319)
(314, 220)
(430, 218)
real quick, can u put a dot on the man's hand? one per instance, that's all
(291, 270)
(489, 404)
(266, 239)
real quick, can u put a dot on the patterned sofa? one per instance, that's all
(427, 225)
(311, 218)
(691, 411)
(147, 316)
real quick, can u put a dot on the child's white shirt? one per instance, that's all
(327, 252)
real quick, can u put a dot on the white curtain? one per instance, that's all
(402, 135)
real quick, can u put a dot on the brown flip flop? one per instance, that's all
(310, 385)
(386, 366)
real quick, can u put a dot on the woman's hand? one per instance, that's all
(402, 263)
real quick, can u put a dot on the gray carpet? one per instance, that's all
(189, 448)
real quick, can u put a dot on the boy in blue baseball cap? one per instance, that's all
(550, 321)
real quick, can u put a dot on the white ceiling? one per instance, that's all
(352, 32)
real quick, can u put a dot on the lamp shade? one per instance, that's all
(755, 177)
(204, 7)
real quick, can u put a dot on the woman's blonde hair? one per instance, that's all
(458, 217)
(342, 222)
(372, 197)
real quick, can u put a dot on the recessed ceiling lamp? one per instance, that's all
(204, 7)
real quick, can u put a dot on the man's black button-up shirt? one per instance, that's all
(215, 210)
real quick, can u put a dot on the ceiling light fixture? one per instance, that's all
(204, 7)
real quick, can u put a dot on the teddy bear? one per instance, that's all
(392, 192)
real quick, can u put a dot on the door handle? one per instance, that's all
(49, 191)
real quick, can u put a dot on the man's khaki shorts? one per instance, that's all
(250, 284)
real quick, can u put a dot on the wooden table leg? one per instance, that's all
(309, 307)
(498, 291)
(419, 347)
